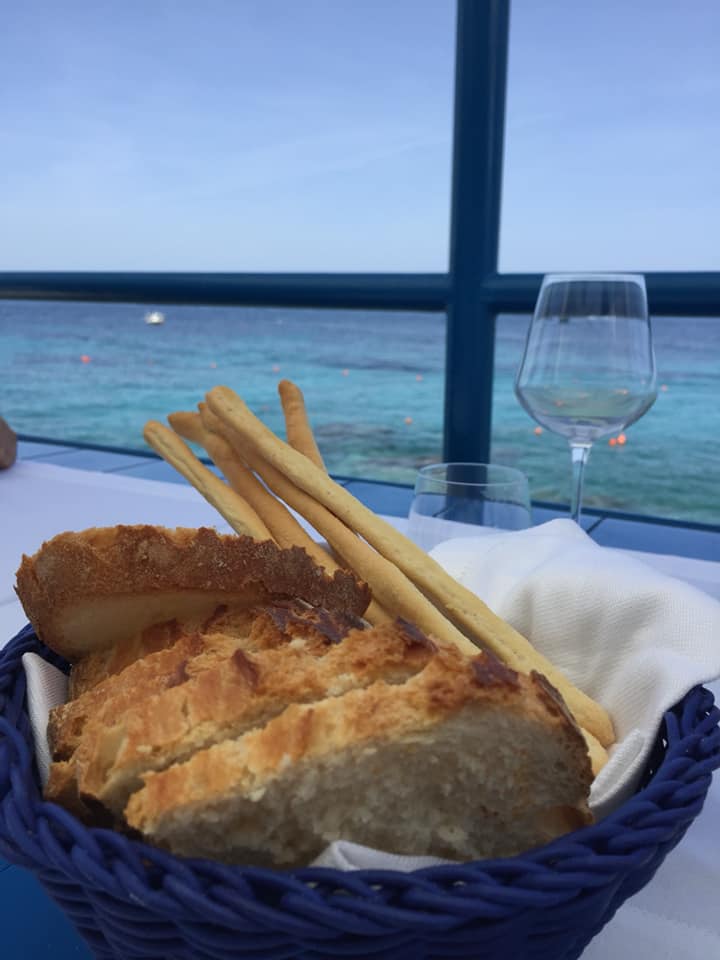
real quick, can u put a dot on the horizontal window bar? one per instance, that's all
(669, 294)
(383, 291)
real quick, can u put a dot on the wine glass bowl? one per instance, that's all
(588, 369)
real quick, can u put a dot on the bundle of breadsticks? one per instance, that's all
(267, 478)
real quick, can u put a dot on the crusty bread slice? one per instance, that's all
(238, 694)
(112, 697)
(464, 760)
(92, 590)
(312, 629)
(98, 666)
(258, 627)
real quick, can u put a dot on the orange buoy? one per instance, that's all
(408, 420)
(537, 431)
(622, 439)
(418, 377)
(213, 365)
(85, 358)
(345, 372)
(664, 388)
(276, 368)
(612, 442)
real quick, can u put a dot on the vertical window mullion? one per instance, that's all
(479, 126)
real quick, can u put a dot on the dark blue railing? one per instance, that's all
(471, 293)
(670, 294)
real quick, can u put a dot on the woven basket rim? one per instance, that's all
(617, 841)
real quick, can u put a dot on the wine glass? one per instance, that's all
(588, 368)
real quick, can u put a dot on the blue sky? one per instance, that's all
(613, 136)
(316, 135)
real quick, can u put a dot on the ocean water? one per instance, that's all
(373, 383)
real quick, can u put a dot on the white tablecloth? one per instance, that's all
(675, 916)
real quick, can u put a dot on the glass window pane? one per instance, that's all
(670, 462)
(612, 139)
(233, 136)
(97, 372)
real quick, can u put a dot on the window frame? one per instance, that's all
(471, 293)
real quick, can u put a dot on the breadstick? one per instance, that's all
(207, 431)
(596, 751)
(283, 526)
(240, 515)
(386, 581)
(297, 426)
(462, 606)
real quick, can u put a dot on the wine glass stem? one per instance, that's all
(579, 453)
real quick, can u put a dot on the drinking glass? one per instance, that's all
(454, 499)
(588, 369)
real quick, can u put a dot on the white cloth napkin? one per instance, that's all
(47, 687)
(633, 638)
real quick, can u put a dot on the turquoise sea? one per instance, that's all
(373, 383)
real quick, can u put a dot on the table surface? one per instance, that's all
(674, 916)
(610, 529)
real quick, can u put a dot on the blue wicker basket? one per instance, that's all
(129, 900)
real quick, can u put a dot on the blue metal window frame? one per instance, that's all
(472, 293)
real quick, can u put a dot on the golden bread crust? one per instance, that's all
(113, 696)
(74, 569)
(190, 654)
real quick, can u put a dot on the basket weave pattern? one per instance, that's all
(131, 901)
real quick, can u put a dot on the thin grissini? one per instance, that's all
(460, 604)
(238, 513)
(285, 529)
(214, 427)
(297, 424)
(387, 583)
(283, 526)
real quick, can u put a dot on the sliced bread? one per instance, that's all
(464, 760)
(228, 698)
(312, 629)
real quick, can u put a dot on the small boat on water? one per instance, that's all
(154, 317)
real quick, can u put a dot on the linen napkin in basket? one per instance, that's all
(634, 639)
